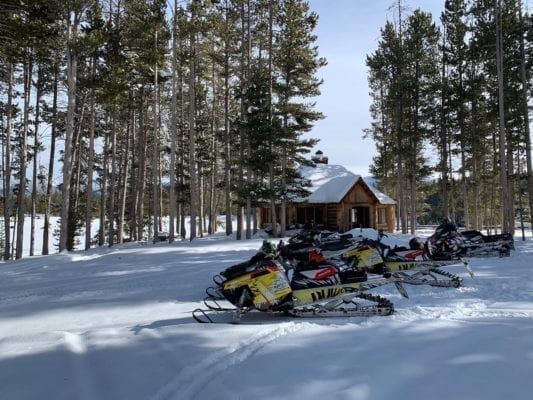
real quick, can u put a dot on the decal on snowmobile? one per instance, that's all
(367, 256)
(408, 265)
(268, 285)
(305, 296)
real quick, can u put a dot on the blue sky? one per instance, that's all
(349, 30)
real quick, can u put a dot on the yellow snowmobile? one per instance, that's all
(318, 288)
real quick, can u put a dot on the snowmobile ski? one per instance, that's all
(355, 304)
(427, 272)
(347, 306)
(429, 277)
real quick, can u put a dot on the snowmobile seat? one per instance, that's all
(352, 275)
(242, 268)
(503, 241)
(317, 277)
(336, 245)
(416, 244)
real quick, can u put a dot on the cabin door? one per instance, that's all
(360, 217)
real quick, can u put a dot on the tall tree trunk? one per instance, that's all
(21, 195)
(248, 211)
(90, 168)
(240, 182)
(182, 155)
(134, 171)
(227, 135)
(475, 170)
(173, 131)
(443, 140)
(400, 173)
(181, 133)
(527, 137)
(36, 146)
(132, 206)
(248, 52)
(141, 178)
(201, 201)
(103, 193)
(124, 171)
(399, 127)
(415, 135)
(193, 178)
(412, 195)
(511, 181)
(72, 67)
(502, 145)
(7, 165)
(271, 115)
(462, 133)
(212, 215)
(155, 152)
(112, 180)
(76, 175)
(51, 163)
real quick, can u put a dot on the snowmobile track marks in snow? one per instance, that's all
(191, 380)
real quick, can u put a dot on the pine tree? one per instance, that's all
(73, 16)
(296, 61)
(524, 22)
(95, 34)
(421, 38)
(387, 77)
(454, 102)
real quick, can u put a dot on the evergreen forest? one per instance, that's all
(151, 108)
(126, 112)
(450, 114)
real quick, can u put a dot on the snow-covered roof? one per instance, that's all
(330, 183)
(382, 197)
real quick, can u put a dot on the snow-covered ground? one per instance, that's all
(115, 323)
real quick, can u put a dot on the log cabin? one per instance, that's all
(339, 200)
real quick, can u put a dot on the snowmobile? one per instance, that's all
(407, 265)
(479, 245)
(316, 288)
(374, 257)
(448, 243)
(330, 243)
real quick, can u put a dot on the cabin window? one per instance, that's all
(382, 216)
(312, 215)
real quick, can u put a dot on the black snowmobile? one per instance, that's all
(447, 243)
(330, 243)
(313, 288)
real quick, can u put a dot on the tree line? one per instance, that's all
(152, 108)
(451, 101)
